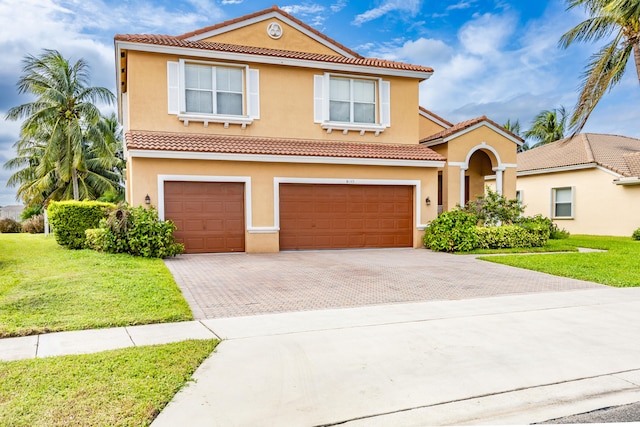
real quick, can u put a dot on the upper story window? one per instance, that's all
(351, 103)
(562, 202)
(352, 100)
(213, 93)
(213, 90)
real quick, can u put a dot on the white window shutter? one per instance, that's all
(385, 103)
(173, 87)
(318, 99)
(253, 91)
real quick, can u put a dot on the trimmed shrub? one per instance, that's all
(71, 218)
(539, 220)
(451, 232)
(494, 209)
(512, 236)
(636, 234)
(136, 231)
(8, 225)
(34, 224)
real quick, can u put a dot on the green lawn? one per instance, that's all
(127, 387)
(619, 266)
(45, 288)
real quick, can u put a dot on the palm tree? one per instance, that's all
(617, 18)
(64, 112)
(514, 128)
(38, 183)
(548, 126)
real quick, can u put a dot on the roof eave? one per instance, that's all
(627, 180)
(273, 60)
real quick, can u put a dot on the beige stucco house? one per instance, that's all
(261, 134)
(589, 184)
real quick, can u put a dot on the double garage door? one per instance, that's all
(210, 216)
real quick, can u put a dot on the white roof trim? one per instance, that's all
(265, 17)
(272, 60)
(569, 168)
(434, 119)
(557, 169)
(490, 126)
(188, 155)
(633, 180)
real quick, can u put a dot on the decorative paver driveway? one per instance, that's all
(229, 285)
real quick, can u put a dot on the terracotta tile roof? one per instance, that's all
(619, 154)
(633, 163)
(164, 40)
(431, 113)
(199, 143)
(261, 13)
(459, 127)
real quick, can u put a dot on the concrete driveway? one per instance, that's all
(229, 285)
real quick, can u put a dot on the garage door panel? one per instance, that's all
(193, 225)
(209, 216)
(360, 216)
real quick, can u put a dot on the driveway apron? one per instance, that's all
(230, 285)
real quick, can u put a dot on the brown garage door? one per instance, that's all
(319, 216)
(209, 215)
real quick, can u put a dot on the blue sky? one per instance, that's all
(497, 58)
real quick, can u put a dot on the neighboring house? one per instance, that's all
(589, 184)
(262, 134)
(13, 212)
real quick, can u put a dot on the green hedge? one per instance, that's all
(71, 218)
(453, 231)
(512, 236)
(136, 231)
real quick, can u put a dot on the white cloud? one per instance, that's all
(421, 51)
(338, 6)
(487, 33)
(410, 6)
(461, 5)
(304, 9)
(231, 1)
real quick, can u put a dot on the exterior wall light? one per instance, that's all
(428, 201)
(147, 200)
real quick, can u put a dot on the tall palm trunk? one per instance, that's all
(74, 182)
(636, 56)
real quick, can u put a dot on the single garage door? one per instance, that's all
(319, 216)
(209, 215)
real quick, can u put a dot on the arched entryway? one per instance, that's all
(480, 165)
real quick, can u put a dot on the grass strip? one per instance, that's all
(127, 387)
(46, 288)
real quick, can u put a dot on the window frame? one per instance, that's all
(554, 203)
(322, 104)
(352, 99)
(177, 94)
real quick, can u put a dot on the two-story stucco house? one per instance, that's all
(261, 134)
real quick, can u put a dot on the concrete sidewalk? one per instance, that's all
(96, 340)
(501, 360)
